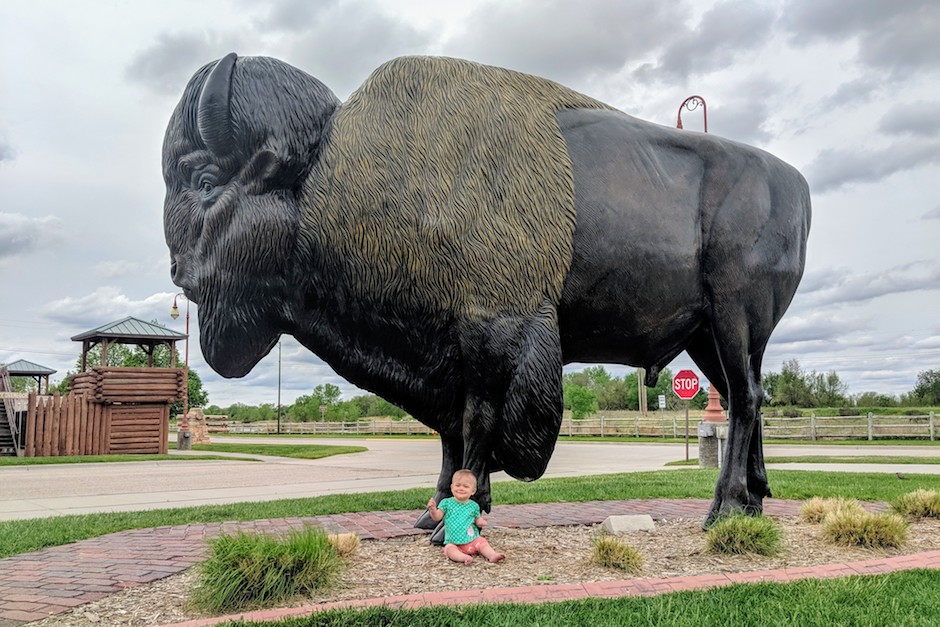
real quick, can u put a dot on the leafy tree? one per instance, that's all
(372, 405)
(789, 387)
(874, 399)
(828, 390)
(581, 400)
(927, 389)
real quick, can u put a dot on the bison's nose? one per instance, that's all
(179, 272)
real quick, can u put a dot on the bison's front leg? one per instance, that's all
(513, 398)
(451, 461)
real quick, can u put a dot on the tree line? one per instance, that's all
(595, 389)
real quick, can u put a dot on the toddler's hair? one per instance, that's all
(463, 472)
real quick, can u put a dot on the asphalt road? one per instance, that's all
(389, 464)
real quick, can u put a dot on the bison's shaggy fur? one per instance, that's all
(421, 217)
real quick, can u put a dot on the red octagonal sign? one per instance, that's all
(685, 384)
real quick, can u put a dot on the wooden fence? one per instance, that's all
(870, 427)
(107, 411)
(74, 425)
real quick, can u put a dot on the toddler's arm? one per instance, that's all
(480, 522)
(436, 514)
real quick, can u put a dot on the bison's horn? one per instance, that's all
(214, 117)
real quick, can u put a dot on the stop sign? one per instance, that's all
(685, 384)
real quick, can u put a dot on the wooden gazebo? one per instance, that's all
(23, 368)
(129, 330)
(110, 409)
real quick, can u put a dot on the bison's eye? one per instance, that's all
(206, 184)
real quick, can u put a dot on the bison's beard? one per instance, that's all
(234, 337)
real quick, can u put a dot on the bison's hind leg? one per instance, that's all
(734, 369)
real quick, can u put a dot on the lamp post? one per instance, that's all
(175, 313)
(692, 103)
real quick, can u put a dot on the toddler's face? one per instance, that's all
(463, 488)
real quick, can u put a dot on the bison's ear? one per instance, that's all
(266, 172)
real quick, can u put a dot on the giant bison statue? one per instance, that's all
(454, 233)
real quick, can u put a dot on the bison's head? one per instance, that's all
(237, 150)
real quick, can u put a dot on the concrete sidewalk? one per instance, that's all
(38, 491)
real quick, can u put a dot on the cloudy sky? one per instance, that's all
(849, 93)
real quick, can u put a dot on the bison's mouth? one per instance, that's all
(234, 345)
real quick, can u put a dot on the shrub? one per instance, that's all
(254, 570)
(918, 504)
(613, 552)
(345, 543)
(739, 534)
(864, 529)
(817, 508)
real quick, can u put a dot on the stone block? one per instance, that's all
(623, 524)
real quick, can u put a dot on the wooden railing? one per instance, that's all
(666, 425)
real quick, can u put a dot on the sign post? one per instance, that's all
(686, 385)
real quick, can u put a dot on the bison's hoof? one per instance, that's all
(437, 537)
(425, 521)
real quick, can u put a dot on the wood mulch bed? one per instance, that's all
(550, 555)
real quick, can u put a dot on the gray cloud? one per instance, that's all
(896, 37)
(347, 43)
(835, 168)
(856, 91)
(817, 327)
(745, 117)
(166, 66)
(933, 214)
(104, 305)
(725, 31)
(566, 41)
(6, 151)
(292, 15)
(915, 118)
(842, 286)
(21, 234)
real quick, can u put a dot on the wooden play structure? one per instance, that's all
(108, 409)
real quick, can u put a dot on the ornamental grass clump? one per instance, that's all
(739, 534)
(817, 508)
(612, 552)
(918, 504)
(877, 531)
(255, 570)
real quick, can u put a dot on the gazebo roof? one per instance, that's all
(23, 368)
(129, 328)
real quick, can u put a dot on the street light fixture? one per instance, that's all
(175, 313)
(692, 103)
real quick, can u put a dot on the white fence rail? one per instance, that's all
(870, 427)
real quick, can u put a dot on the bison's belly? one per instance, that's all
(633, 293)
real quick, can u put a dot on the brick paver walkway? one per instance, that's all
(54, 580)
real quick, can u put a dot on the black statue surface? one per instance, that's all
(454, 233)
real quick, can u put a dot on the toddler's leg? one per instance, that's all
(490, 553)
(456, 555)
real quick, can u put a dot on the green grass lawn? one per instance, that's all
(97, 459)
(20, 536)
(833, 459)
(907, 598)
(303, 451)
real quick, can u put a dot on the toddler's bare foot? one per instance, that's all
(497, 558)
(467, 561)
